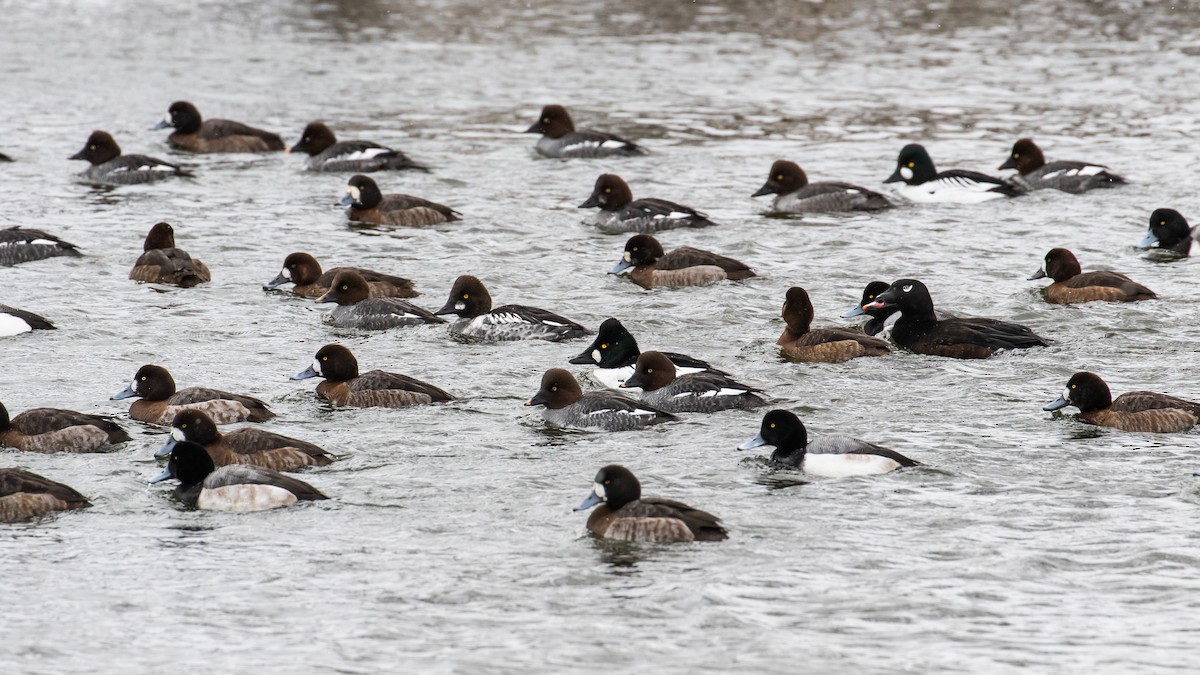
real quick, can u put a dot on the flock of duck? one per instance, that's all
(241, 470)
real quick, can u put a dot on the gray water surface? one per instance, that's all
(449, 544)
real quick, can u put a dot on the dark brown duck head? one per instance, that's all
(332, 362)
(1026, 157)
(151, 382)
(162, 235)
(469, 298)
(641, 249)
(797, 311)
(615, 486)
(555, 122)
(190, 425)
(298, 268)
(1086, 391)
(1061, 265)
(611, 193)
(362, 193)
(349, 288)
(100, 148)
(559, 389)
(785, 177)
(183, 116)
(314, 140)
(652, 371)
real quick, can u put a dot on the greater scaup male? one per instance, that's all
(794, 194)
(110, 167)
(684, 266)
(615, 352)
(567, 406)
(343, 386)
(830, 456)
(327, 153)
(624, 515)
(1071, 284)
(19, 245)
(1169, 231)
(920, 330)
(25, 495)
(243, 446)
(470, 300)
(1132, 411)
(824, 345)
(56, 430)
(162, 263)
(1033, 173)
(701, 392)
(233, 487)
(923, 183)
(160, 402)
(195, 134)
(15, 321)
(561, 140)
(620, 212)
(303, 270)
(369, 205)
(357, 309)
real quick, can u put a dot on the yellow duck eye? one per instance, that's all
(870, 297)
(324, 358)
(182, 426)
(603, 346)
(779, 177)
(1073, 386)
(911, 164)
(649, 370)
(466, 296)
(606, 482)
(143, 378)
(772, 426)
(634, 248)
(545, 120)
(553, 388)
(1162, 222)
(345, 287)
(608, 189)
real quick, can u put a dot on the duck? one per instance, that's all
(243, 446)
(327, 153)
(357, 309)
(1072, 285)
(304, 273)
(827, 456)
(110, 167)
(794, 194)
(702, 392)
(236, 488)
(470, 300)
(369, 205)
(1033, 173)
(923, 183)
(622, 514)
(5, 158)
(52, 430)
(21, 244)
(160, 402)
(824, 345)
(615, 352)
(162, 263)
(620, 212)
(560, 140)
(877, 318)
(1132, 411)
(195, 134)
(25, 495)
(684, 266)
(15, 321)
(567, 406)
(920, 330)
(344, 386)
(1169, 231)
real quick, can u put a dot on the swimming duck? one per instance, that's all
(56, 430)
(684, 266)
(824, 345)
(567, 406)
(620, 212)
(162, 263)
(616, 352)
(702, 392)
(829, 456)
(624, 515)
(25, 495)
(327, 153)
(1132, 411)
(303, 270)
(470, 300)
(1071, 284)
(109, 166)
(243, 446)
(195, 134)
(1033, 173)
(233, 487)
(1169, 231)
(15, 321)
(343, 386)
(19, 244)
(794, 194)
(161, 402)
(369, 205)
(923, 183)
(561, 140)
(357, 309)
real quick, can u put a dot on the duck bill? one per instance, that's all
(878, 304)
(634, 380)
(620, 267)
(82, 154)
(755, 442)
(536, 128)
(163, 124)
(538, 399)
(1010, 163)
(592, 500)
(895, 177)
(1061, 403)
(346, 200)
(856, 311)
(127, 392)
(278, 281)
(584, 358)
(328, 297)
(305, 374)
(1040, 274)
(165, 450)
(592, 202)
(165, 475)
(1148, 241)
(766, 189)
(294, 148)
(447, 308)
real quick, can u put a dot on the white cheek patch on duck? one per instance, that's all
(177, 434)
(906, 173)
(243, 498)
(460, 306)
(596, 355)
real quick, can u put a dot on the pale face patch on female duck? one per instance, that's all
(244, 498)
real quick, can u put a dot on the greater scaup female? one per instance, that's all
(243, 446)
(923, 183)
(56, 430)
(567, 406)
(702, 392)
(162, 263)
(1132, 411)
(1033, 173)
(794, 194)
(303, 270)
(824, 345)
(561, 140)
(25, 495)
(15, 321)
(357, 309)
(1071, 284)
(160, 402)
(920, 330)
(195, 134)
(470, 300)
(233, 487)
(620, 212)
(616, 352)
(110, 167)
(684, 266)
(327, 153)
(369, 205)
(1169, 231)
(830, 456)
(19, 244)
(624, 515)
(343, 386)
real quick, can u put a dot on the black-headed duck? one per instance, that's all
(1169, 231)
(615, 353)
(924, 184)
(234, 487)
(830, 456)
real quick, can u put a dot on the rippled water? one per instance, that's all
(449, 544)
